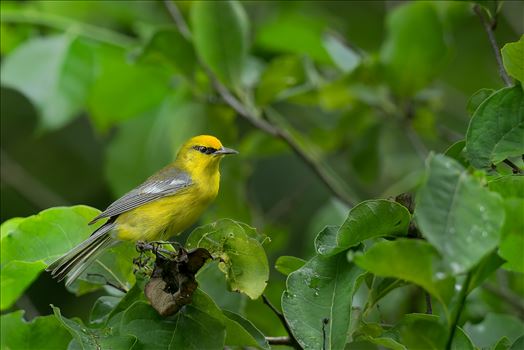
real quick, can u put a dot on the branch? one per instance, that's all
(279, 341)
(488, 27)
(257, 121)
(292, 339)
(429, 308)
(513, 166)
(14, 175)
(512, 299)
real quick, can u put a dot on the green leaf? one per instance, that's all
(102, 309)
(16, 276)
(511, 246)
(213, 282)
(496, 130)
(518, 344)
(220, 30)
(88, 338)
(421, 331)
(193, 327)
(345, 58)
(457, 215)
(294, 33)
(59, 84)
(457, 151)
(247, 326)
(493, 327)
(512, 54)
(369, 219)
(509, 186)
(287, 264)
(9, 226)
(411, 260)
(317, 301)
(42, 333)
(168, 46)
(483, 270)
(51, 233)
(281, 75)
(414, 49)
(414, 331)
(118, 94)
(243, 260)
(477, 98)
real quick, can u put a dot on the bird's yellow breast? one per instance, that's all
(166, 216)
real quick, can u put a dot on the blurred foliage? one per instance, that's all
(97, 95)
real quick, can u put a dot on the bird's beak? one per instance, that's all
(225, 150)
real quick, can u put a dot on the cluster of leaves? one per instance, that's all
(465, 224)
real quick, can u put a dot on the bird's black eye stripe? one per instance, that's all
(205, 150)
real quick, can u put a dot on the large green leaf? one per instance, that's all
(246, 333)
(193, 327)
(34, 242)
(239, 247)
(421, 331)
(457, 215)
(118, 92)
(89, 338)
(509, 186)
(168, 46)
(16, 276)
(59, 84)
(414, 48)
(414, 331)
(511, 246)
(512, 56)
(317, 301)
(220, 30)
(42, 333)
(496, 130)
(411, 260)
(373, 218)
(295, 33)
(493, 327)
(29, 244)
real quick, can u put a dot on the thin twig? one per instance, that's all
(294, 342)
(14, 175)
(279, 341)
(460, 305)
(257, 121)
(488, 27)
(513, 166)
(429, 308)
(512, 299)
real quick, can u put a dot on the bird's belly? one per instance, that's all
(162, 218)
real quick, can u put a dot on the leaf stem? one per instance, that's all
(513, 166)
(292, 339)
(456, 315)
(429, 307)
(488, 27)
(260, 123)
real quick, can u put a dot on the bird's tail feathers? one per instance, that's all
(77, 260)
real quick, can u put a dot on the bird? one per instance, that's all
(166, 204)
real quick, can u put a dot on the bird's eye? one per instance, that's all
(205, 150)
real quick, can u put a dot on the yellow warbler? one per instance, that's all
(164, 205)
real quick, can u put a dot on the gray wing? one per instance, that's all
(166, 182)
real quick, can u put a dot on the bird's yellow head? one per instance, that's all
(202, 152)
